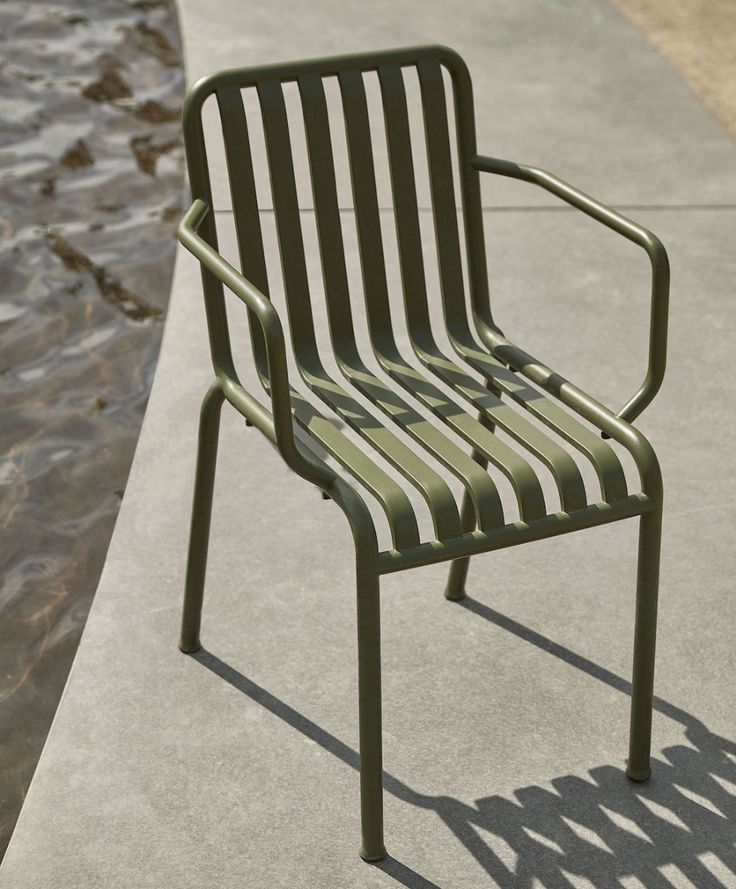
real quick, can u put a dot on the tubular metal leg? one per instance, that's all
(647, 585)
(369, 702)
(209, 427)
(455, 589)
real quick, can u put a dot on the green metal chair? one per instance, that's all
(487, 373)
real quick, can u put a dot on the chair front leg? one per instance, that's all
(209, 428)
(369, 703)
(645, 634)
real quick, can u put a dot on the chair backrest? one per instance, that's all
(268, 83)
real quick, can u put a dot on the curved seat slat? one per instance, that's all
(601, 455)
(562, 466)
(478, 484)
(392, 497)
(443, 509)
(517, 470)
(558, 461)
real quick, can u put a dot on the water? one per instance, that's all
(91, 176)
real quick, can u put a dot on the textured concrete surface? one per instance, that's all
(567, 85)
(505, 716)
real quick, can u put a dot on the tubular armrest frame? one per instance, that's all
(630, 230)
(277, 426)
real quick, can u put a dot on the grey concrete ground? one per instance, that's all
(505, 716)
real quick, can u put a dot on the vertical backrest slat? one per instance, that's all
(286, 209)
(442, 189)
(201, 188)
(327, 210)
(245, 203)
(365, 200)
(462, 93)
(429, 63)
(403, 186)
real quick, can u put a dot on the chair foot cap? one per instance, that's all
(371, 859)
(638, 775)
(190, 649)
(454, 595)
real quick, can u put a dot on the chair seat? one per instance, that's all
(488, 397)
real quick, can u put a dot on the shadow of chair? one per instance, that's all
(597, 828)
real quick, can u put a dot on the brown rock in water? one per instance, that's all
(77, 156)
(156, 43)
(109, 87)
(135, 307)
(155, 112)
(172, 213)
(147, 152)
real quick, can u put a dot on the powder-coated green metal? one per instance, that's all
(487, 371)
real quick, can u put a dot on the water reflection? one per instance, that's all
(91, 175)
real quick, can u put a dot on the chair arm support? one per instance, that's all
(279, 426)
(634, 232)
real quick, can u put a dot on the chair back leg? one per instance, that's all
(645, 634)
(204, 482)
(455, 588)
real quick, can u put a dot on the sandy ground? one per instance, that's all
(698, 38)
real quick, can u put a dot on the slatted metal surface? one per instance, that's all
(486, 395)
(428, 409)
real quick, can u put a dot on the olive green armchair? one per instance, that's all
(495, 385)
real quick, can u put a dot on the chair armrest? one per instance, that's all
(634, 232)
(278, 427)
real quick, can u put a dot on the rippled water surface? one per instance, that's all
(91, 175)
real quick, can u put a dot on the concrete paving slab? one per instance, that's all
(570, 86)
(505, 716)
